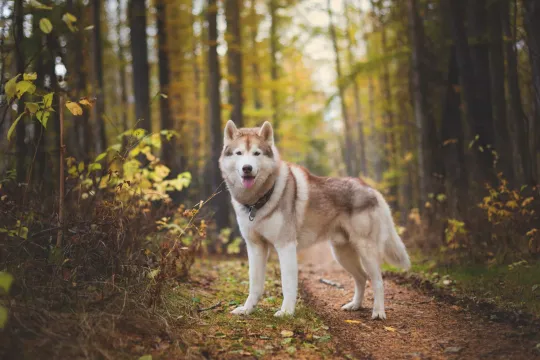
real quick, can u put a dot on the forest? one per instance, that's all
(117, 235)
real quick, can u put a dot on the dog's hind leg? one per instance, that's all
(371, 265)
(346, 255)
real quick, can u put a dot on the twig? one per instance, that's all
(61, 195)
(331, 283)
(210, 308)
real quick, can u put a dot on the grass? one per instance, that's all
(512, 287)
(261, 335)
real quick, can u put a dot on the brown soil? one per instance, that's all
(418, 325)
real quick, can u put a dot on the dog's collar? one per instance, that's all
(252, 209)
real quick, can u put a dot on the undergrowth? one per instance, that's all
(85, 286)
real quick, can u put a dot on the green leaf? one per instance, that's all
(37, 5)
(3, 316)
(45, 25)
(11, 87)
(43, 117)
(6, 279)
(100, 156)
(25, 87)
(94, 167)
(13, 126)
(152, 274)
(80, 167)
(32, 107)
(47, 100)
(115, 147)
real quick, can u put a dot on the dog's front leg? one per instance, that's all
(289, 277)
(257, 256)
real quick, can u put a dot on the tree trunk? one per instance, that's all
(97, 65)
(453, 144)
(497, 74)
(349, 146)
(428, 143)
(220, 201)
(478, 112)
(257, 104)
(234, 60)
(361, 146)
(139, 55)
(517, 120)
(531, 17)
(163, 64)
(18, 33)
(122, 75)
(274, 67)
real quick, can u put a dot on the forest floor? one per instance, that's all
(421, 324)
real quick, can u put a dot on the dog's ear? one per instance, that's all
(230, 131)
(267, 132)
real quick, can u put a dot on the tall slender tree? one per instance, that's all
(139, 55)
(163, 65)
(348, 150)
(234, 60)
(99, 86)
(274, 43)
(216, 135)
(18, 32)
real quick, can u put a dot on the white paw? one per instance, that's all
(242, 310)
(352, 306)
(282, 313)
(378, 314)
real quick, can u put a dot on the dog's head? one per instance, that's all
(249, 156)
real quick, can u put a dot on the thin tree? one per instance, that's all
(362, 166)
(348, 151)
(18, 32)
(220, 201)
(531, 16)
(517, 120)
(425, 123)
(163, 65)
(274, 67)
(234, 60)
(97, 67)
(139, 55)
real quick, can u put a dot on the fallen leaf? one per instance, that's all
(286, 333)
(389, 328)
(353, 321)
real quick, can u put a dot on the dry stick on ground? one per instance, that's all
(331, 283)
(61, 195)
(210, 308)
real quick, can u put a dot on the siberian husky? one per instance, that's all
(283, 205)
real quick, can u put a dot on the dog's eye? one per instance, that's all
(238, 153)
(257, 153)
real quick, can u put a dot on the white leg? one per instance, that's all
(289, 277)
(257, 255)
(373, 270)
(346, 255)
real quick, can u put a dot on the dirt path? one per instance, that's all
(418, 326)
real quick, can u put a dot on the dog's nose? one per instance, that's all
(247, 169)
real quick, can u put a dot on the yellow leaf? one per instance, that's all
(32, 107)
(527, 201)
(11, 87)
(512, 204)
(389, 328)
(85, 102)
(37, 5)
(23, 87)
(74, 108)
(30, 76)
(45, 25)
(353, 321)
(286, 333)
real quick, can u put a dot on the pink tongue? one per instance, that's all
(248, 182)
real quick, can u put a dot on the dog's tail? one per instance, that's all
(393, 249)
